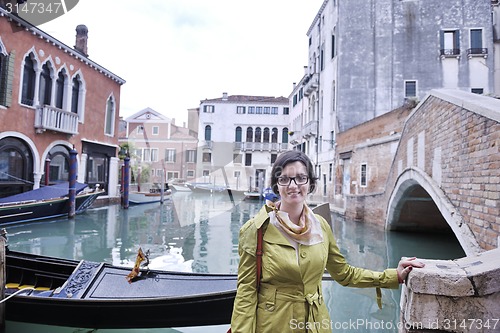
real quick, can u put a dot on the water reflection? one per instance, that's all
(195, 232)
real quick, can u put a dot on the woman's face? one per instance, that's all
(293, 194)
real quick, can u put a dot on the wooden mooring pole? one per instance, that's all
(3, 241)
(73, 165)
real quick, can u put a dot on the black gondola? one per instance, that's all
(97, 295)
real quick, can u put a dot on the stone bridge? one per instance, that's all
(446, 174)
(446, 171)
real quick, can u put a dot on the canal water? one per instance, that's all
(199, 233)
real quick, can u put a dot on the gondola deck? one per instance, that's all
(98, 295)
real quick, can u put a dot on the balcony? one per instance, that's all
(450, 53)
(477, 52)
(262, 146)
(310, 129)
(207, 144)
(57, 120)
(238, 146)
(311, 84)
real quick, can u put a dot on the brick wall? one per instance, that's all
(459, 149)
(372, 143)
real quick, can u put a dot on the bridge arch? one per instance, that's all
(418, 193)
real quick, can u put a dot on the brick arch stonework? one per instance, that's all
(412, 177)
(450, 146)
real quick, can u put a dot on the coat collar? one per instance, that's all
(272, 234)
(262, 216)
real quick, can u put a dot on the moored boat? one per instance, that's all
(45, 203)
(138, 198)
(206, 188)
(253, 196)
(179, 188)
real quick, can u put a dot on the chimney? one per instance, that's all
(224, 96)
(81, 39)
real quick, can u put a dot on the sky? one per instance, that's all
(175, 53)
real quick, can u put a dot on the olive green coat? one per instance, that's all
(290, 297)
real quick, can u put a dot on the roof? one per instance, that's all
(316, 18)
(247, 99)
(148, 114)
(43, 35)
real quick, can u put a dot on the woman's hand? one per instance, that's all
(405, 266)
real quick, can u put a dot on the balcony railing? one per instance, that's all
(310, 129)
(57, 120)
(311, 84)
(477, 52)
(207, 145)
(261, 146)
(449, 53)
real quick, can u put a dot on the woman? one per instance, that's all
(297, 245)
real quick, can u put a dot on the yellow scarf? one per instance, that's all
(306, 232)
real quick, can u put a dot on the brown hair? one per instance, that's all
(288, 157)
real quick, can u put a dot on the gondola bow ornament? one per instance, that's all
(138, 260)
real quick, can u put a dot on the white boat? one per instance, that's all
(138, 198)
(179, 188)
(253, 196)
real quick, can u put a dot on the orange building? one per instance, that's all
(159, 149)
(54, 98)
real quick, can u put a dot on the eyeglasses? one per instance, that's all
(299, 180)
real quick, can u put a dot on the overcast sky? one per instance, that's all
(174, 53)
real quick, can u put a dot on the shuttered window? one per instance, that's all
(6, 76)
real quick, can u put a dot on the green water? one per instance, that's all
(194, 232)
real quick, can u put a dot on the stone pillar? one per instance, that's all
(113, 177)
(82, 168)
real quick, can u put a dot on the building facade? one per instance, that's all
(368, 58)
(159, 148)
(53, 98)
(240, 138)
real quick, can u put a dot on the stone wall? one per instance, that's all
(460, 295)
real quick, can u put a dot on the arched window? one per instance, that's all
(258, 134)
(237, 134)
(285, 135)
(249, 135)
(274, 136)
(45, 87)
(75, 94)
(266, 134)
(28, 90)
(58, 168)
(208, 133)
(61, 79)
(110, 117)
(16, 168)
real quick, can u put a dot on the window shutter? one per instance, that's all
(8, 75)
(441, 39)
(457, 39)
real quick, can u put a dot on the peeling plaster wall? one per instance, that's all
(382, 43)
